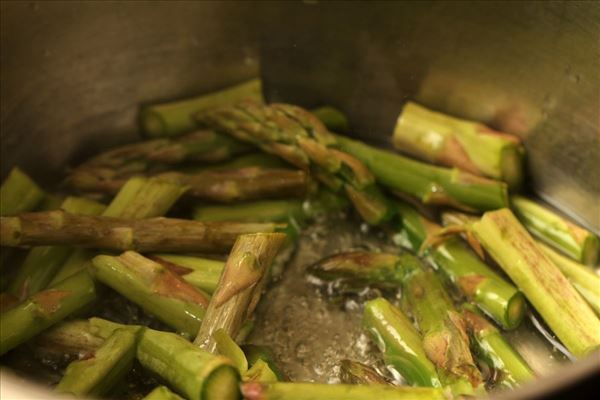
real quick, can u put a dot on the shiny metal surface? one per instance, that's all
(72, 75)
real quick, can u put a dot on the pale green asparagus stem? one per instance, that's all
(544, 285)
(454, 142)
(556, 231)
(202, 273)
(19, 193)
(162, 393)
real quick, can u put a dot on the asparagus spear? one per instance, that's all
(192, 372)
(568, 238)
(162, 393)
(454, 142)
(217, 186)
(333, 119)
(312, 391)
(19, 193)
(257, 211)
(357, 373)
(445, 340)
(42, 263)
(256, 355)
(431, 184)
(544, 285)
(174, 118)
(202, 273)
(478, 282)
(240, 286)
(71, 340)
(139, 198)
(400, 343)
(301, 139)
(155, 288)
(153, 234)
(256, 159)
(491, 346)
(44, 309)
(97, 375)
(582, 278)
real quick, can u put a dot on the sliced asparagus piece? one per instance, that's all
(431, 184)
(380, 269)
(97, 375)
(400, 343)
(139, 198)
(257, 354)
(544, 285)
(443, 329)
(568, 238)
(68, 340)
(170, 119)
(454, 142)
(357, 373)
(333, 119)
(490, 346)
(257, 159)
(478, 282)
(301, 139)
(258, 211)
(155, 288)
(216, 186)
(240, 286)
(583, 278)
(192, 372)
(143, 235)
(312, 391)
(42, 263)
(19, 193)
(202, 273)
(44, 309)
(162, 393)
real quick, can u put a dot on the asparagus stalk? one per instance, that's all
(257, 211)
(257, 159)
(155, 288)
(44, 309)
(19, 193)
(544, 285)
(202, 273)
(357, 373)
(431, 184)
(312, 391)
(568, 238)
(256, 355)
(581, 277)
(71, 340)
(400, 343)
(300, 138)
(333, 119)
(239, 287)
(360, 267)
(192, 372)
(143, 235)
(42, 263)
(216, 186)
(171, 119)
(97, 375)
(445, 340)
(139, 198)
(454, 142)
(475, 280)
(162, 393)
(497, 353)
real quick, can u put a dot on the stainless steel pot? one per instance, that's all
(74, 73)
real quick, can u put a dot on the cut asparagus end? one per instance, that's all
(544, 285)
(175, 118)
(162, 393)
(222, 384)
(19, 193)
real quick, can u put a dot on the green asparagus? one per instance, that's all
(333, 119)
(162, 393)
(257, 355)
(171, 119)
(454, 142)
(202, 273)
(239, 287)
(576, 242)
(544, 285)
(357, 373)
(19, 193)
